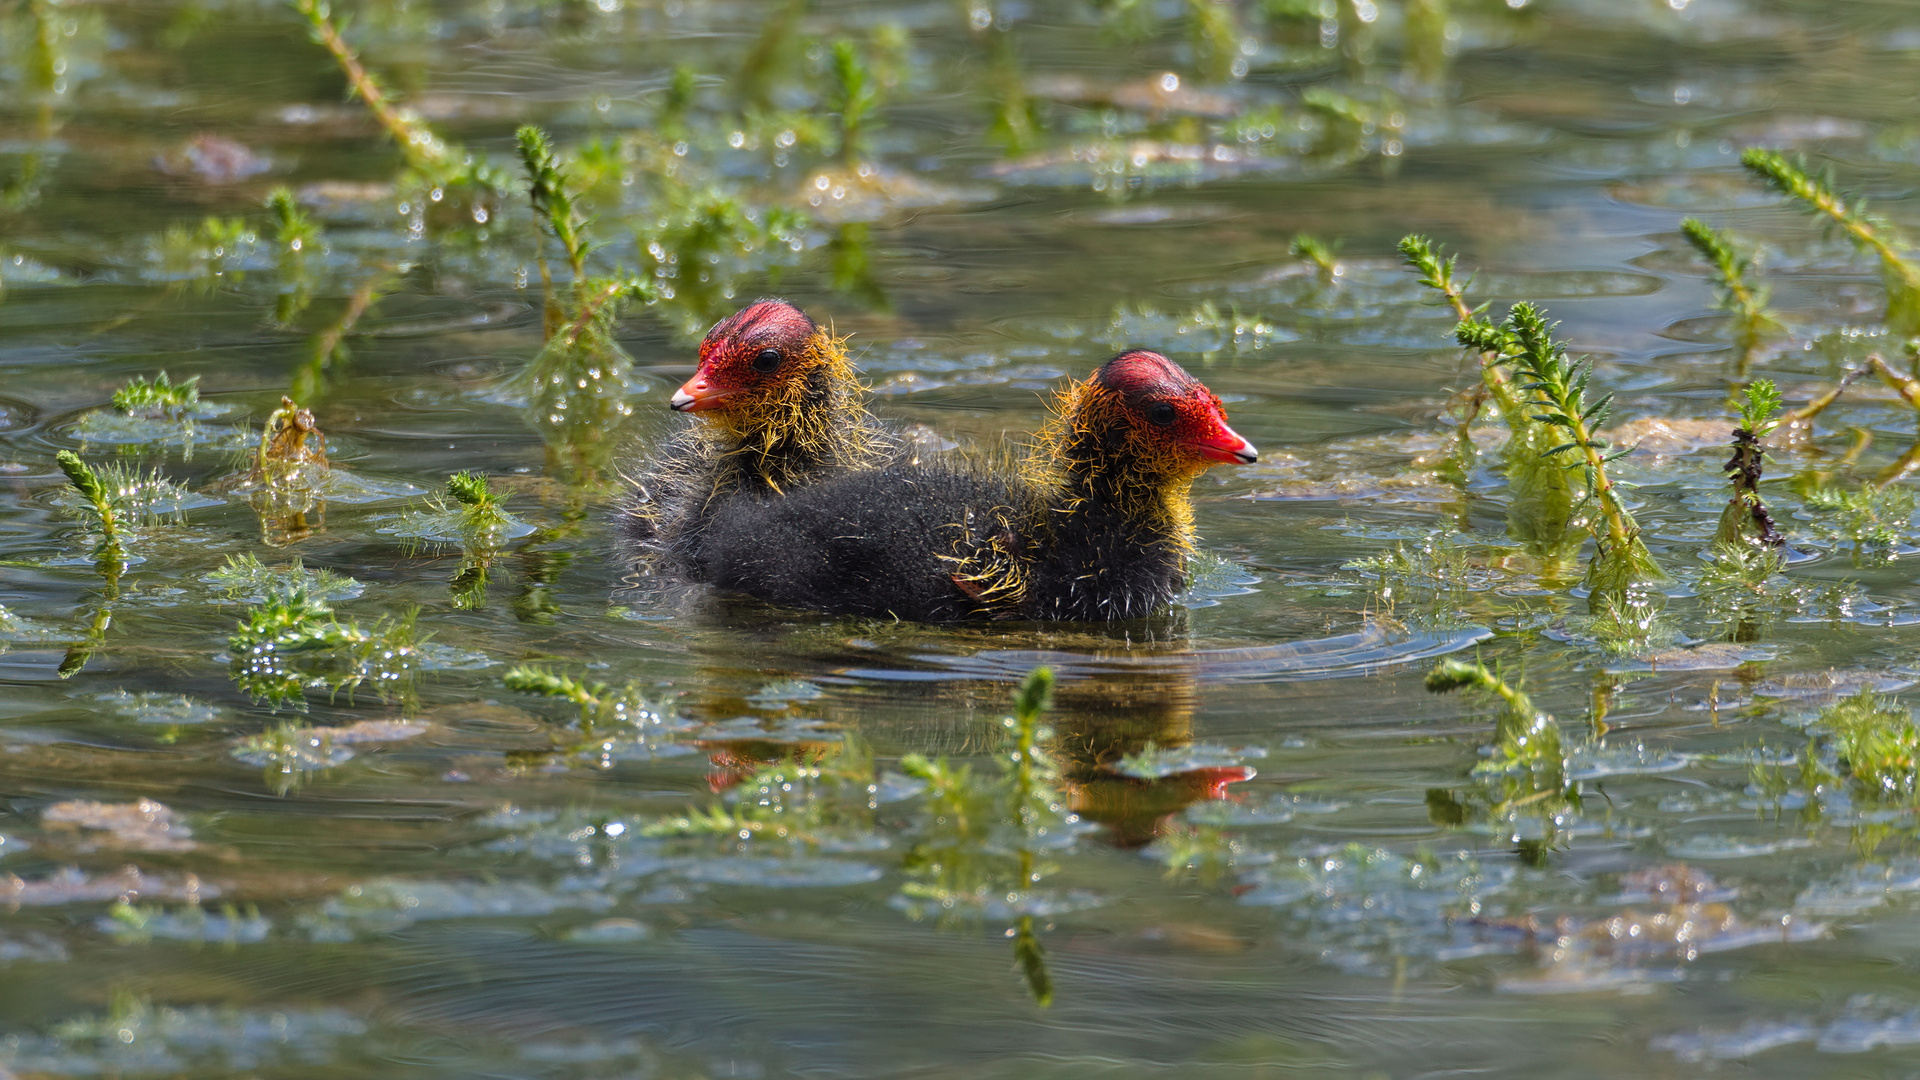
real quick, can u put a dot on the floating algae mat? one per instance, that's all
(1548, 683)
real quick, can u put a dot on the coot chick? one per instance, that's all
(1095, 525)
(781, 408)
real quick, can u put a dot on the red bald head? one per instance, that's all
(755, 348)
(1166, 403)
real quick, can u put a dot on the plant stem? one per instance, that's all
(422, 149)
(87, 482)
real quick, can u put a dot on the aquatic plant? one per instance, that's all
(98, 496)
(296, 236)
(245, 577)
(1865, 231)
(1526, 765)
(578, 385)
(1746, 524)
(1542, 508)
(856, 95)
(1318, 252)
(1876, 742)
(1437, 571)
(1909, 390)
(158, 397)
(460, 187)
(612, 722)
(328, 349)
(1214, 33)
(1868, 519)
(960, 866)
(1622, 566)
(286, 486)
(598, 702)
(1733, 269)
(553, 207)
(212, 254)
(292, 642)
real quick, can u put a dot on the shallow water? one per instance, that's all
(1279, 859)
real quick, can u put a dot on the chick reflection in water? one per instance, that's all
(1109, 733)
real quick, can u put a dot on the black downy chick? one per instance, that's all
(1095, 526)
(781, 409)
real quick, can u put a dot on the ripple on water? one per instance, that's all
(768, 872)
(1868, 1022)
(1364, 652)
(16, 415)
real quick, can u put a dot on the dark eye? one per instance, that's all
(766, 360)
(1161, 413)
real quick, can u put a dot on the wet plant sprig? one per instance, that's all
(481, 514)
(423, 149)
(1733, 270)
(1746, 522)
(1865, 231)
(856, 96)
(1558, 386)
(1875, 739)
(1909, 390)
(293, 640)
(294, 230)
(1313, 250)
(296, 234)
(1528, 761)
(158, 397)
(550, 191)
(1438, 273)
(99, 498)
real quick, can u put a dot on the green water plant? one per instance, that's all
(972, 822)
(1866, 232)
(1542, 505)
(1747, 525)
(554, 209)
(1733, 271)
(1524, 772)
(1557, 399)
(292, 642)
(1909, 390)
(1875, 740)
(1318, 253)
(578, 386)
(613, 721)
(158, 397)
(1871, 520)
(98, 495)
(422, 149)
(1215, 36)
(296, 237)
(456, 183)
(244, 576)
(855, 97)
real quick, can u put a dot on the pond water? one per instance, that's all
(1254, 844)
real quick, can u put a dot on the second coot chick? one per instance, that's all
(781, 408)
(1096, 525)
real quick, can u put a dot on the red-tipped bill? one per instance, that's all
(1225, 445)
(697, 395)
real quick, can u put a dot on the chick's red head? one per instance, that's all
(749, 353)
(1166, 405)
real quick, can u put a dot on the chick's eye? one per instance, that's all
(1161, 413)
(766, 360)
